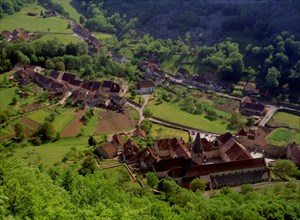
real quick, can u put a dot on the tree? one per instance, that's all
(92, 141)
(133, 93)
(49, 64)
(148, 113)
(3, 117)
(14, 100)
(285, 169)
(146, 125)
(235, 121)
(18, 128)
(60, 66)
(211, 114)
(88, 166)
(197, 184)
(250, 121)
(45, 132)
(81, 19)
(272, 77)
(152, 179)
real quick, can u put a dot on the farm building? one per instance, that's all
(107, 151)
(139, 133)
(222, 174)
(252, 107)
(145, 87)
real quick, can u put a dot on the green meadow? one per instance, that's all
(283, 136)
(64, 38)
(171, 112)
(34, 24)
(293, 121)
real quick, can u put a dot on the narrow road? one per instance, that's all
(257, 186)
(268, 116)
(192, 132)
(61, 102)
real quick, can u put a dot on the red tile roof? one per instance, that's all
(224, 137)
(295, 153)
(68, 77)
(108, 148)
(130, 150)
(117, 139)
(175, 146)
(194, 171)
(145, 84)
(138, 132)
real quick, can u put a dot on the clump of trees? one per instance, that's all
(45, 133)
(69, 195)
(87, 116)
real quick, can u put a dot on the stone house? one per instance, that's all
(145, 87)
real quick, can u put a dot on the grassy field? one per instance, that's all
(50, 153)
(88, 130)
(6, 96)
(63, 119)
(34, 24)
(283, 136)
(68, 6)
(293, 121)
(39, 116)
(134, 114)
(64, 38)
(191, 63)
(103, 36)
(5, 131)
(161, 132)
(171, 112)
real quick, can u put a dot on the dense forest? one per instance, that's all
(34, 193)
(168, 19)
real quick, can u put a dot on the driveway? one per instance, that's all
(268, 116)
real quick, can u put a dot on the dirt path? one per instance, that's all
(255, 186)
(73, 128)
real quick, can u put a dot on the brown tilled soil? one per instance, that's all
(230, 107)
(31, 107)
(29, 123)
(73, 128)
(113, 122)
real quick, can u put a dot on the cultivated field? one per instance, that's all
(29, 123)
(112, 122)
(39, 116)
(34, 24)
(73, 128)
(161, 132)
(283, 136)
(63, 119)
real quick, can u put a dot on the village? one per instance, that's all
(217, 154)
(219, 160)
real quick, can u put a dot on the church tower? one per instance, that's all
(197, 150)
